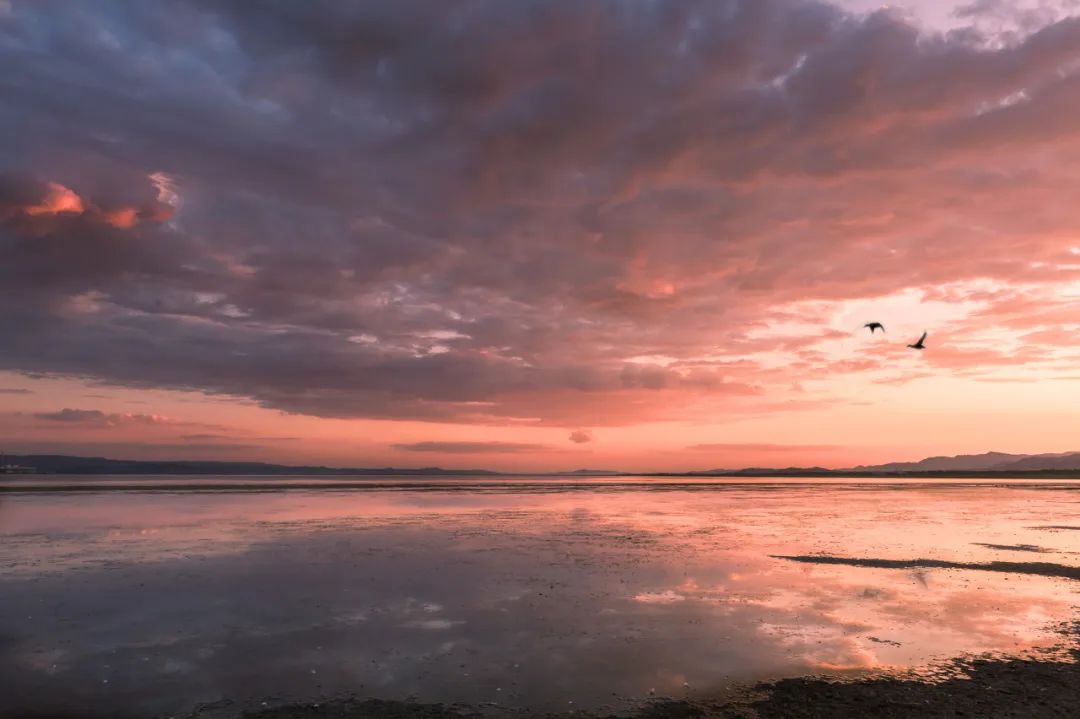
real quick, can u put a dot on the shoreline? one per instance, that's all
(20, 484)
(451, 475)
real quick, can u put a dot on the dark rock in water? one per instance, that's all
(1042, 569)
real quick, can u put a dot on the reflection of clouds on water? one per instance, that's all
(826, 648)
(547, 597)
(823, 617)
(665, 597)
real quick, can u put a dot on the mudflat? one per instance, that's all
(538, 598)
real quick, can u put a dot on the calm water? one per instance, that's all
(530, 593)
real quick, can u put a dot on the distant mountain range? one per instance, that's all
(964, 464)
(987, 462)
(63, 464)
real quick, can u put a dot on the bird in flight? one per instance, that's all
(919, 345)
(874, 326)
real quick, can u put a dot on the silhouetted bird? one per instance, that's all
(919, 345)
(874, 326)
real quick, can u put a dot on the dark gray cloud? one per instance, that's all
(141, 449)
(469, 211)
(14, 390)
(72, 415)
(97, 418)
(580, 436)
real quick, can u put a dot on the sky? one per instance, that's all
(530, 236)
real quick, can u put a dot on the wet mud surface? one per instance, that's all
(994, 688)
(534, 602)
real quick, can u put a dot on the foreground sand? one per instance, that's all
(994, 688)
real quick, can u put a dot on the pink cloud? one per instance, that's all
(55, 200)
(58, 200)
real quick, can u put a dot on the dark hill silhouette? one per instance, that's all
(63, 464)
(962, 462)
(1069, 461)
(989, 462)
(965, 465)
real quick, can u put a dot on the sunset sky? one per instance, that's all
(544, 235)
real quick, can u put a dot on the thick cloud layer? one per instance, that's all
(565, 212)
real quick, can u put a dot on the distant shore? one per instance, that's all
(166, 483)
(87, 466)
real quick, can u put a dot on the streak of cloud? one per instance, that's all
(471, 447)
(97, 418)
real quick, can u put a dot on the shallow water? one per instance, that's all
(534, 593)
